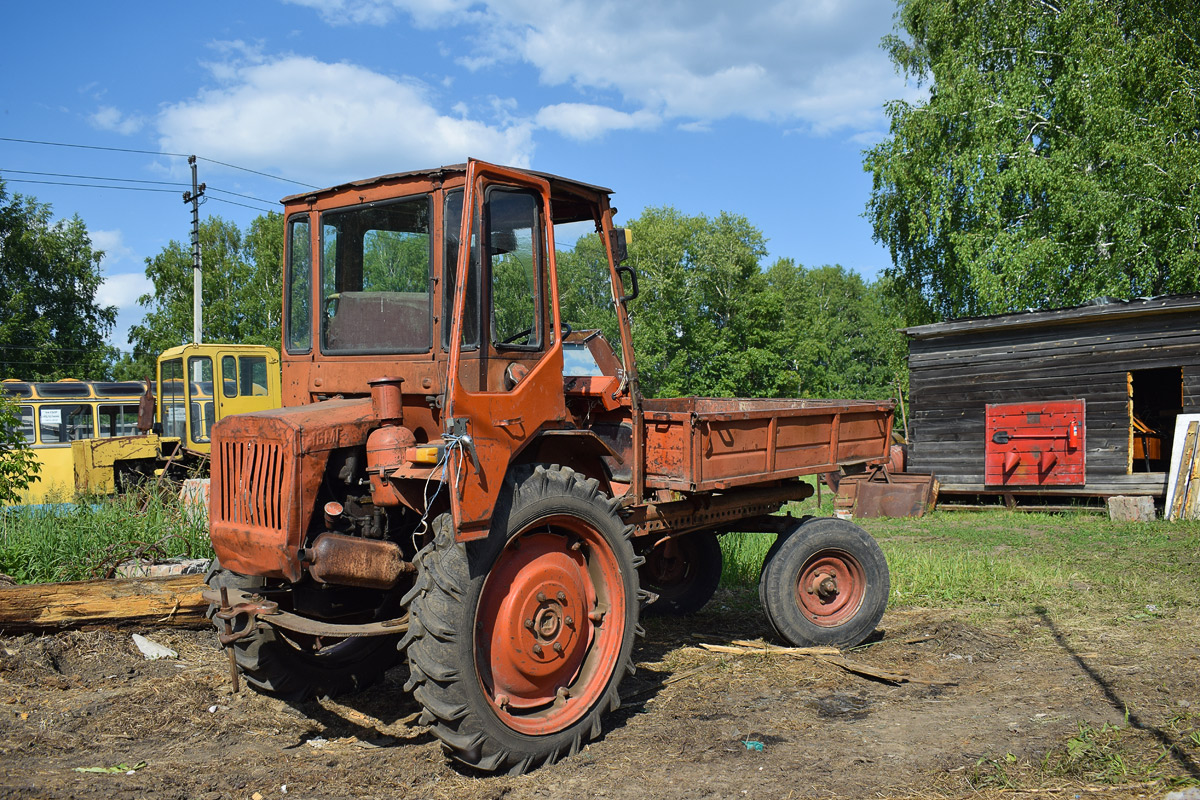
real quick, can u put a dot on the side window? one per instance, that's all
(61, 424)
(299, 286)
(452, 225)
(200, 370)
(27, 424)
(116, 420)
(514, 252)
(229, 376)
(253, 376)
(171, 396)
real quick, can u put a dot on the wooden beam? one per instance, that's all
(145, 602)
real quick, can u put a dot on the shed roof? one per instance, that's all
(1103, 308)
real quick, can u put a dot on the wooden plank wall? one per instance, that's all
(954, 376)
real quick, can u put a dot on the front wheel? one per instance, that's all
(517, 643)
(825, 583)
(294, 666)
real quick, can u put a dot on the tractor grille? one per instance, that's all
(251, 478)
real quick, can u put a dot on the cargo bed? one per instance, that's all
(697, 444)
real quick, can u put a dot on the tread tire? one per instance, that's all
(441, 643)
(865, 570)
(275, 665)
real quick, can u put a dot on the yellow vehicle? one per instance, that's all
(56, 413)
(87, 436)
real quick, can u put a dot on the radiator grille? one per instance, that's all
(251, 484)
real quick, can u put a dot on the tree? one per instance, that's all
(19, 466)
(242, 275)
(1054, 161)
(835, 335)
(51, 325)
(692, 328)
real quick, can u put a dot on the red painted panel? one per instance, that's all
(1036, 444)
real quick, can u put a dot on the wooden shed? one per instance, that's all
(1073, 402)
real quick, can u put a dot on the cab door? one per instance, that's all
(506, 364)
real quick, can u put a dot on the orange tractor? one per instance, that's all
(460, 480)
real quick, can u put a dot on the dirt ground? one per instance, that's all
(1018, 707)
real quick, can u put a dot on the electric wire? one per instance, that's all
(156, 153)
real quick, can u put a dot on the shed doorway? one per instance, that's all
(1155, 400)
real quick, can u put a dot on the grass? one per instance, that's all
(82, 540)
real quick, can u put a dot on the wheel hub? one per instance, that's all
(831, 588)
(541, 628)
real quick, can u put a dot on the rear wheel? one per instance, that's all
(517, 643)
(684, 572)
(825, 583)
(294, 666)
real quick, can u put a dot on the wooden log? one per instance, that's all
(146, 602)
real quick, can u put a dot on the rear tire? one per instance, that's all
(825, 583)
(517, 643)
(292, 666)
(684, 572)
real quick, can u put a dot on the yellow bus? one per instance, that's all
(85, 433)
(56, 413)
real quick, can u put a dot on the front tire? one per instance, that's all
(297, 667)
(517, 643)
(825, 583)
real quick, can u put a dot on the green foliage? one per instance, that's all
(709, 321)
(19, 467)
(50, 323)
(71, 542)
(241, 291)
(1054, 161)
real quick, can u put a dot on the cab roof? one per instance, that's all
(558, 185)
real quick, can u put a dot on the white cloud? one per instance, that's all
(123, 290)
(108, 118)
(381, 12)
(319, 122)
(584, 121)
(112, 243)
(815, 63)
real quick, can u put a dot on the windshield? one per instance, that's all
(375, 286)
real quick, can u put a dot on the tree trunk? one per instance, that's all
(173, 601)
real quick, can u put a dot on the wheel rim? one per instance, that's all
(669, 564)
(831, 588)
(550, 624)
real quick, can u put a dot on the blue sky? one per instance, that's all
(760, 108)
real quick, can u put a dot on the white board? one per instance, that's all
(1181, 426)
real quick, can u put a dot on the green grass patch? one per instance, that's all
(79, 541)
(1001, 561)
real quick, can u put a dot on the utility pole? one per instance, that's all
(193, 197)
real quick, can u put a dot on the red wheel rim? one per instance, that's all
(549, 627)
(831, 588)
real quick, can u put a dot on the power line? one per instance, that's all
(237, 194)
(93, 147)
(256, 172)
(88, 177)
(93, 185)
(243, 205)
(156, 153)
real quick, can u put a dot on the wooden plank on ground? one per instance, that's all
(173, 601)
